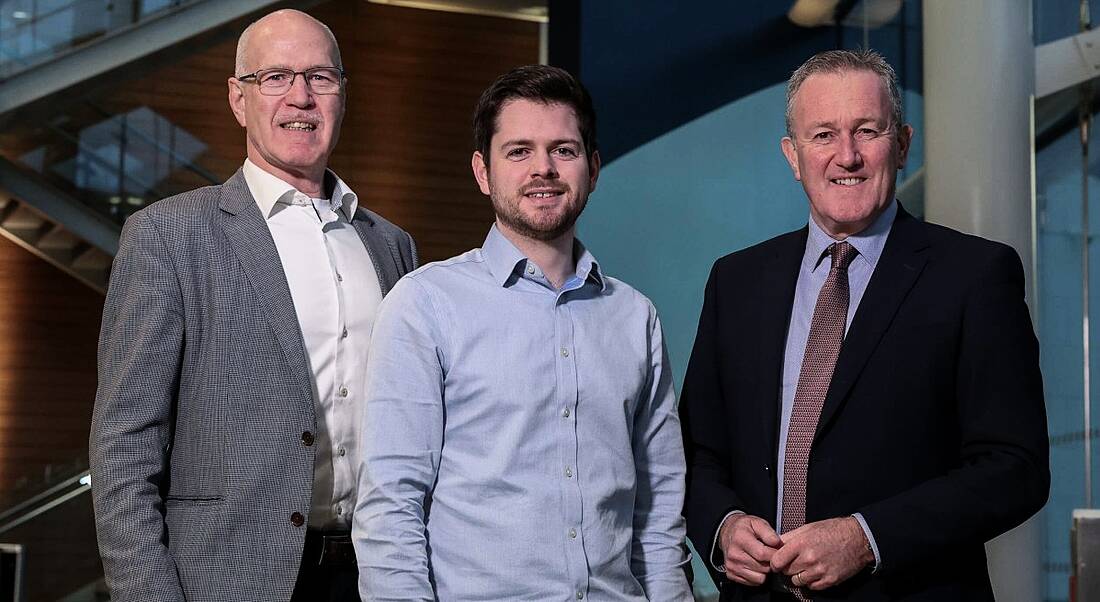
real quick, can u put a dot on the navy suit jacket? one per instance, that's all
(934, 426)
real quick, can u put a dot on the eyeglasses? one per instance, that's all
(275, 82)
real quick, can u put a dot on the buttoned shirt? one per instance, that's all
(521, 442)
(336, 296)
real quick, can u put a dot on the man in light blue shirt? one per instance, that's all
(521, 438)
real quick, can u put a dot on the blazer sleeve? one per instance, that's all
(710, 494)
(140, 347)
(1003, 474)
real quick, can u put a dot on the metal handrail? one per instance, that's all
(47, 500)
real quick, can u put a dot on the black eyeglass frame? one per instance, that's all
(255, 77)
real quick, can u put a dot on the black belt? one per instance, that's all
(328, 548)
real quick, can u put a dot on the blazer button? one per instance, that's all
(307, 438)
(297, 519)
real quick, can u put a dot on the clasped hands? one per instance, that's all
(816, 555)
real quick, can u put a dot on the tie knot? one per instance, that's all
(842, 255)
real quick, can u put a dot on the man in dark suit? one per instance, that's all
(224, 444)
(863, 409)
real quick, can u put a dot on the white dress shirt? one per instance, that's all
(336, 296)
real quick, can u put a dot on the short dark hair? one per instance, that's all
(841, 61)
(540, 83)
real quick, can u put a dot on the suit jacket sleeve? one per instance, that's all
(1002, 476)
(710, 495)
(140, 347)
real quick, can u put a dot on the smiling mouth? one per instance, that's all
(543, 194)
(848, 181)
(299, 126)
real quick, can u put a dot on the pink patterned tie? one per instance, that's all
(822, 349)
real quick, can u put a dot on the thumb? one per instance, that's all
(766, 534)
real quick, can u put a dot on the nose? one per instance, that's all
(299, 94)
(847, 154)
(543, 166)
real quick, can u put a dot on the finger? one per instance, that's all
(783, 558)
(764, 533)
(745, 576)
(758, 551)
(740, 558)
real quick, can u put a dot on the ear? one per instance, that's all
(593, 170)
(236, 100)
(481, 172)
(787, 146)
(905, 140)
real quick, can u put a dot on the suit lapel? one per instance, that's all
(901, 263)
(382, 254)
(251, 241)
(777, 283)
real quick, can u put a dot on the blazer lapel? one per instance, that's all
(251, 241)
(382, 254)
(776, 285)
(898, 268)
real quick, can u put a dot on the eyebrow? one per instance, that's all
(528, 142)
(832, 125)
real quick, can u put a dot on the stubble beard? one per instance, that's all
(544, 225)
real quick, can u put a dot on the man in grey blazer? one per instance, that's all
(223, 447)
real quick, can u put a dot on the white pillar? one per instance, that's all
(978, 79)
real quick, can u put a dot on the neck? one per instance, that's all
(311, 183)
(554, 257)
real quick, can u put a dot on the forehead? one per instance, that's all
(837, 96)
(531, 119)
(291, 42)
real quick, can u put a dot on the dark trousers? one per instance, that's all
(328, 572)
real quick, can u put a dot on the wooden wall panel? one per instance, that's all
(49, 324)
(414, 77)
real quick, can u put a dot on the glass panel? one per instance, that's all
(33, 31)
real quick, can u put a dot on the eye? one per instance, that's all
(824, 136)
(866, 133)
(566, 152)
(273, 77)
(517, 153)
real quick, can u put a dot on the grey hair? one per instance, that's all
(840, 61)
(241, 66)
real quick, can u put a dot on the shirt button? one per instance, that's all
(564, 352)
(568, 472)
(342, 452)
(343, 391)
(580, 595)
(339, 510)
(572, 533)
(297, 519)
(307, 438)
(339, 277)
(530, 269)
(344, 334)
(565, 413)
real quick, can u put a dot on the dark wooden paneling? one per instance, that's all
(49, 323)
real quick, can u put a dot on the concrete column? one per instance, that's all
(978, 78)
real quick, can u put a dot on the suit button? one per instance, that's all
(307, 438)
(297, 519)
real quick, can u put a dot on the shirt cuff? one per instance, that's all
(717, 560)
(870, 539)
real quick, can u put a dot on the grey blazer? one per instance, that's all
(196, 451)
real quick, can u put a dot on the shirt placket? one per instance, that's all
(567, 391)
(338, 429)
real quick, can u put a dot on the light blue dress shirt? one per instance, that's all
(519, 442)
(811, 277)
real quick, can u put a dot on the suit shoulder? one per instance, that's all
(968, 249)
(385, 225)
(755, 255)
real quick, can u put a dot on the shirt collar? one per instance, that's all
(268, 190)
(869, 242)
(504, 260)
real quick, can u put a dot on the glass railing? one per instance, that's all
(34, 31)
(49, 542)
(114, 163)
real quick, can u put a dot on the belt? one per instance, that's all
(328, 548)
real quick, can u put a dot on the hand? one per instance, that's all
(748, 544)
(822, 554)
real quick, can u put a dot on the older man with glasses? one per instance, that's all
(224, 447)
